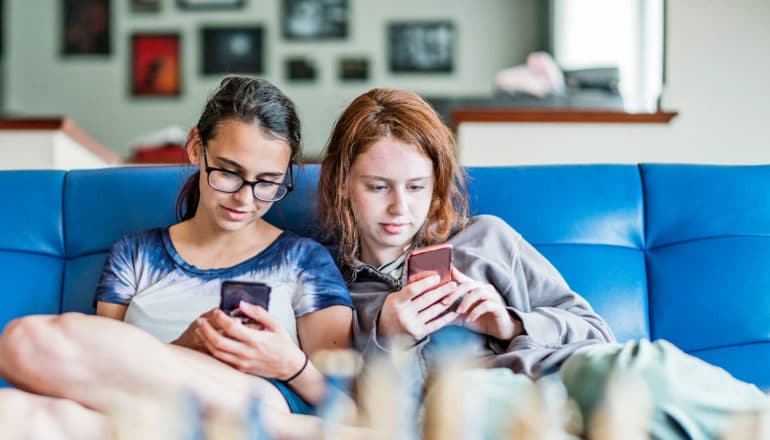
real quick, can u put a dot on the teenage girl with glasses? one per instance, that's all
(166, 281)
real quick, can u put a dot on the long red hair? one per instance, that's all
(405, 116)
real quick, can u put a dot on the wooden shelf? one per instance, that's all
(557, 115)
(65, 125)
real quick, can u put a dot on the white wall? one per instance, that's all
(94, 92)
(718, 70)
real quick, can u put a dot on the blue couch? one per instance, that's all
(680, 252)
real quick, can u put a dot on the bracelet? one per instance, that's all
(294, 376)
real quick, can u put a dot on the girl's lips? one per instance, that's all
(234, 214)
(394, 228)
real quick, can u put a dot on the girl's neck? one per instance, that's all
(206, 247)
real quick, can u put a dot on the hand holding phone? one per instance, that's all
(233, 292)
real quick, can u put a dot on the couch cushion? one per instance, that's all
(32, 216)
(31, 285)
(103, 205)
(746, 362)
(708, 268)
(587, 220)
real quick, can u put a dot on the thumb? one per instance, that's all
(258, 314)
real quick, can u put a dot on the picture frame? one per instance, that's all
(202, 5)
(353, 69)
(156, 64)
(421, 47)
(232, 49)
(301, 69)
(144, 6)
(315, 19)
(86, 27)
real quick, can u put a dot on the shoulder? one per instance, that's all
(485, 228)
(137, 241)
(303, 250)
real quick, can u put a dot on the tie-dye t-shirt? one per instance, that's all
(165, 294)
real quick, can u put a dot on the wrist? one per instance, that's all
(298, 368)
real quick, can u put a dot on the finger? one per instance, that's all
(260, 315)
(459, 276)
(432, 312)
(214, 341)
(413, 290)
(469, 299)
(481, 308)
(432, 296)
(440, 322)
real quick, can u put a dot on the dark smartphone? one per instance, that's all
(430, 260)
(233, 292)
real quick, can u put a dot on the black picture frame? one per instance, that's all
(353, 69)
(308, 20)
(232, 49)
(86, 27)
(301, 69)
(156, 64)
(421, 47)
(202, 5)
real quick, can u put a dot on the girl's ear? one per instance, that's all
(193, 146)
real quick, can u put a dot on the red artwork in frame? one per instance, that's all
(155, 65)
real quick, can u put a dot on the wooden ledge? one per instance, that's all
(460, 115)
(68, 127)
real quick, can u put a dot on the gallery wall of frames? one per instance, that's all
(150, 64)
(424, 46)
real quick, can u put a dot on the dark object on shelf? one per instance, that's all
(601, 78)
(353, 69)
(86, 27)
(232, 50)
(155, 65)
(300, 69)
(421, 47)
(579, 99)
(145, 6)
(315, 19)
(209, 4)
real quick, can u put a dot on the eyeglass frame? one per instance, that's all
(252, 184)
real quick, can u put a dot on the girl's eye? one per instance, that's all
(415, 188)
(377, 187)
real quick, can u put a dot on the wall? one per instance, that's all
(94, 91)
(717, 78)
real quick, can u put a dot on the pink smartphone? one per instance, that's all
(430, 260)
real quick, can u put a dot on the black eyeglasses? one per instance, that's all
(230, 182)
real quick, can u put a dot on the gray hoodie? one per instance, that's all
(556, 320)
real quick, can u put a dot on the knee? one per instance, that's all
(32, 341)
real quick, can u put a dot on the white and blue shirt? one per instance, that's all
(165, 294)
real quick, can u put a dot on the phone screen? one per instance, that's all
(430, 260)
(233, 292)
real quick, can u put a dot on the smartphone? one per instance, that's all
(233, 292)
(430, 260)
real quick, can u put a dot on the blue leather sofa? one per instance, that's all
(680, 252)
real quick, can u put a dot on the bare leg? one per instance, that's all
(24, 415)
(104, 365)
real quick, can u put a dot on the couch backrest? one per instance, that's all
(680, 252)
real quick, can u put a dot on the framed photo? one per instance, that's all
(86, 27)
(353, 69)
(232, 50)
(421, 47)
(155, 65)
(301, 69)
(144, 6)
(209, 4)
(315, 19)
